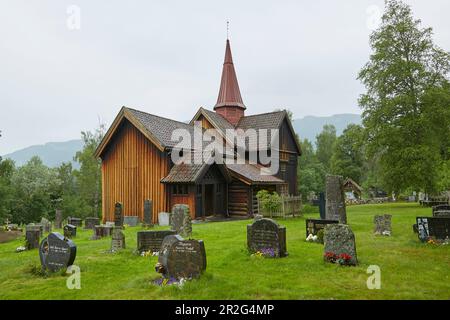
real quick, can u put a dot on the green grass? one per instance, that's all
(409, 268)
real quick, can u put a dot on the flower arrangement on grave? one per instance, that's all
(146, 253)
(264, 253)
(343, 259)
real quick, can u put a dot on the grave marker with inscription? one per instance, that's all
(339, 243)
(265, 235)
(434, 227)
(77, 222)
(57, 252)
(181, 258)
(180, 220)
(32, 236)
(151, 240)
(313, 226)
(118, 214)
(117, 240)
(335, 199)
(383, 224)
(148, 213)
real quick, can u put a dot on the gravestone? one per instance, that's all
(181, 258)
(110, 223)
(383, 224)
(322, 205)
(151, 240)
(339, 239)
(313, 226)
(148, 213)
(101, 231)
(442, 210)
(118, 214)
(58, 219)
(434, 227)
(163, 218)
(91, 222)
(70, 231)
(117, 240)
(180, 220)
(335, 199)
(265, 235)
(131, 221)
(46, 225)
(77, 222)
(57, 252)
(32, 236)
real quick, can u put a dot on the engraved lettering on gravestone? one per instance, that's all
(57, 252)
(151, 240)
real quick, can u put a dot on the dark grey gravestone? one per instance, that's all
(265, 235)
(313, 226)
(77, 222)
(131, 221)
(70, 231)
(118, 214)
(181, 258)
(180, 220)
(57, 252)
(58, 219)
(151, 240)
(335, 199)
(148, 213)
(32, 237)
(101, 231)
(383, 224)
(117, 240)
(176, 218)
(339, 239)
(91, 222)
(322, 205)
(433, 227)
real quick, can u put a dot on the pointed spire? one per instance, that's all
(229, 93)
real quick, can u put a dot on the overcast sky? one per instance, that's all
(58, 77)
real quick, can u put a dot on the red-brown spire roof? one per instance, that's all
(229, 93)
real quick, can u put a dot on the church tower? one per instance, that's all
(229, 102)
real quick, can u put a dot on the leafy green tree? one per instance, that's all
(7, 169)
(35, 188)
(324, 143)
(89, 175)
(348, 159)
(310, 172)
(406, 85)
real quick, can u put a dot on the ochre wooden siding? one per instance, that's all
(132, 168)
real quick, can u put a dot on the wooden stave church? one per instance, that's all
(136, 161)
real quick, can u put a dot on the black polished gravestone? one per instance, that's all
(91, 222)
(118, 214)
(313, 226)
(335, 199)
(70, 231)
(151, 240)
(57, 252)
(433, 227)
(77, 222)
(181, 258)
(148, 213)
(265, 235)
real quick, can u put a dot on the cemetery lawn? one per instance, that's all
(409, 269)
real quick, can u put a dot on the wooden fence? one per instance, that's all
(288, 206)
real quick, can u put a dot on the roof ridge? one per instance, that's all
(264, 113)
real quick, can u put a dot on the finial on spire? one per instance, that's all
(228, 30)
